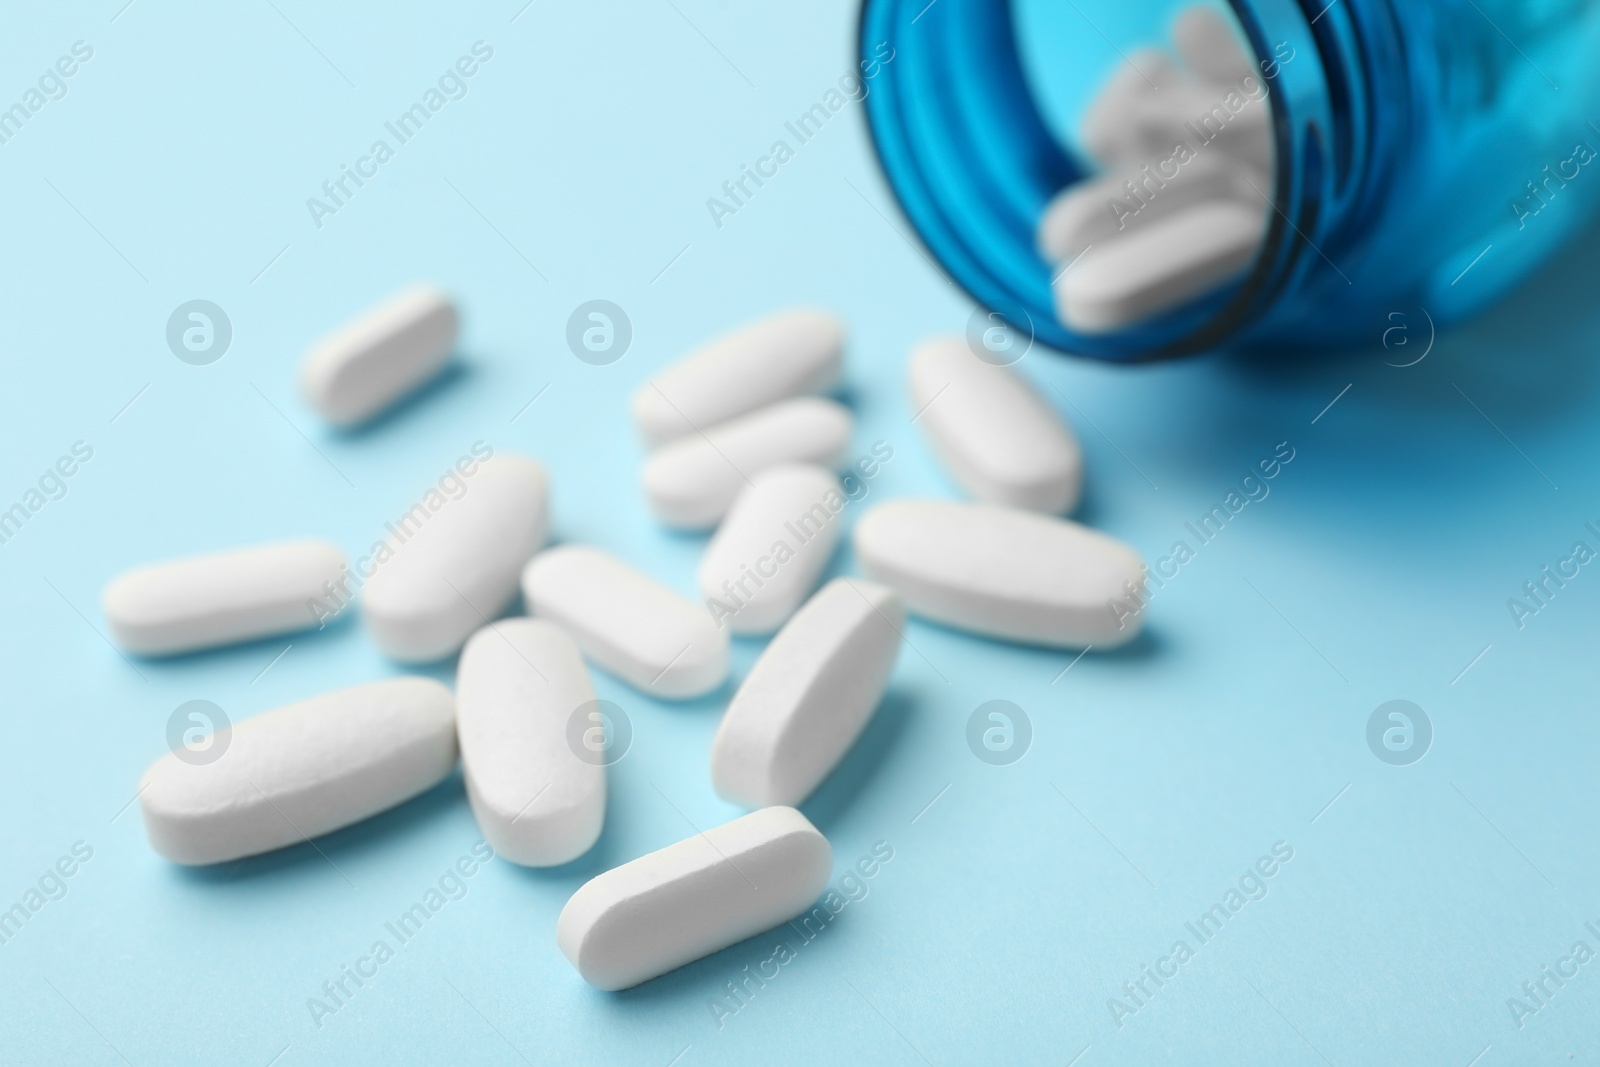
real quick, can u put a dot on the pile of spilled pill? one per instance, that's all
(746, 443)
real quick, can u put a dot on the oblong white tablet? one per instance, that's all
(696, 897)
(224, 597)
(520, 684)
(1230, 123)
(997, 437)
(788, 354)
(1142, 117)
(366, 365)
(1160, 267)
(458, 566)
(768, 553)
(627, 622)
(1108, 125)
(809, 695)
(1206, 41)
(1090, 213)
(691, 482)
(300, 771)
(1004, 573)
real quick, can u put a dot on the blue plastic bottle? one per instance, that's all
(1430, 153)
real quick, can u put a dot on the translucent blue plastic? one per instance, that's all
(1430, 153)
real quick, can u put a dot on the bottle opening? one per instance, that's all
(1101, 174)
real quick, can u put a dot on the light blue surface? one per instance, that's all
(1024, 896)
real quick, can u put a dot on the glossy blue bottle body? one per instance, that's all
(1429, 155)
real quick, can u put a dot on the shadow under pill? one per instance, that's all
(1146, 645)
(602, 856)
(442, 671)
(712, 703)
(257, 655)
(693, 983)
(846, 394)
(349, 844)
(450, 378)
(679, 535)
(1087, 511)
(864, 761)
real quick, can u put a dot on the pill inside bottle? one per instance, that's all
(1172, 130)
(1132, 180)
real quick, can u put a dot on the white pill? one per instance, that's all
(997, 437)
(223, 597)
(627, 622)
(1004, 573)
(1092, 212)
(768, 553)
(1131, 124)
(809, 696)
(1206, 42)
(520, 688)
(365, 366)
(1214, 121)
(696, 897)
(1105, 126)
(300, 771)
(458, 566)
(784, 355)
(1159, 267)
(691, 482)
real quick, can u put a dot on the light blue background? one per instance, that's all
(1021, 900)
